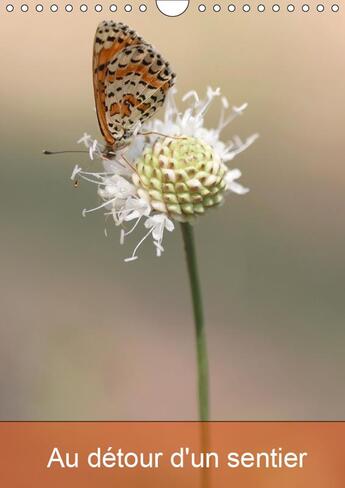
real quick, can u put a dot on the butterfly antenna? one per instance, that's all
(45, 151)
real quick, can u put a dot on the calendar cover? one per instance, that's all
(172, 216)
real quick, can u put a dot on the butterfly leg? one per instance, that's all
(152, 132)
(128, 163)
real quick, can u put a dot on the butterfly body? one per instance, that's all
(130, 82)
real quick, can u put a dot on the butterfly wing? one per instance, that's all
(130, 81)
(138, 79)
(110, 39)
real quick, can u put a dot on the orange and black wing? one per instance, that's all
(110, 39)
(130, 81)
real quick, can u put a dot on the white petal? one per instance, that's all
(85, 139)
(157, 232)
(225, 102)
(133, 258)
(149, 222)
(131, 216)
(237, 188)
(233, 174)
(75, 171)
(190, 94)
(240, 109)
(211, 93)
(169, 225)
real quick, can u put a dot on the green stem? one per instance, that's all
(202, 362)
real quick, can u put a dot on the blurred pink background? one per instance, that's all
(85, 335)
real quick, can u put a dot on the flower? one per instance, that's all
(180, 177)
(174, 169)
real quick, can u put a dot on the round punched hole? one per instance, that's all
(202, 8)
(142, 7)
(335, 8)
(305, 8)
(54, 7)
(216, 7)
(69, 8)
(246, 7)
(98, 7)
(113, 7)
(261, 7)
(39, 7)
(290, 7)
(128, 8)
(320, 7)
(83, 7)
(231, 7)
(9, 8)
(24, 7)
(172, 8)
(275, 7)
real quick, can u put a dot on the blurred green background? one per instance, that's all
(85, 335)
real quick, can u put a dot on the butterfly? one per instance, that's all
(130, 80)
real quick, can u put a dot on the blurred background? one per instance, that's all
(85, 336)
